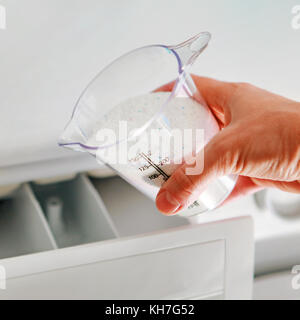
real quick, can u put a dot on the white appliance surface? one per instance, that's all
(277, 238)
(277, 286)
(277, 243)
(95, 255)
(50, 51)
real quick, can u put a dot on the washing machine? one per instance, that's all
(111, 242)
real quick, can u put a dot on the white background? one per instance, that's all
(52, 48)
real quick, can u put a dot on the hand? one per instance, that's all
(260, 142)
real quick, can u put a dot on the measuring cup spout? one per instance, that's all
(73, 137)
(188, 51)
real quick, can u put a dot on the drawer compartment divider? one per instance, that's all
(75, 212)
(23, 228)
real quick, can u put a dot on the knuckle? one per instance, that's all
(244, 85)
(227, 156)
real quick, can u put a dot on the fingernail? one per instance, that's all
(166, 203)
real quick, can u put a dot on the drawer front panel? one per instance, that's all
(177, 273)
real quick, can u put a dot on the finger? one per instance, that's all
(292, 186)
(166, 88)
(244, 186)
(217, 95)
(184, 187)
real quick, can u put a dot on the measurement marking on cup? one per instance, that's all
(155, 166)
(165, 176)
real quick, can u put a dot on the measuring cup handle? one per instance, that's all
(188, 51)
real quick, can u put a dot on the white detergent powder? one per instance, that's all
(150, 163)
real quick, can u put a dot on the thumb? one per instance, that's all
(220, 157)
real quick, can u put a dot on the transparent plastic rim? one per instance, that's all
(177, 84)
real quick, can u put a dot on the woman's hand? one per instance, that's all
(260, 141)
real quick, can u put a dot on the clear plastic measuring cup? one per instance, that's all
(127, 119)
